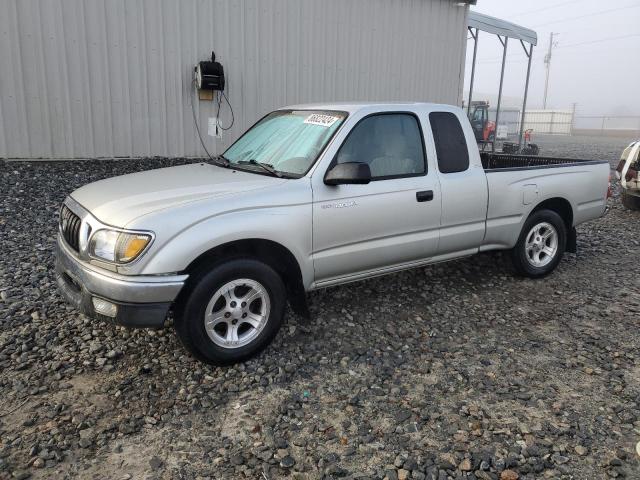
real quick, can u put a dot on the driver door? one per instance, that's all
(362, 230)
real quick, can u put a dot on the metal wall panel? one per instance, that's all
(113, 78)
(549, 121)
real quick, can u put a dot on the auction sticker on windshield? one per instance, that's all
(322, 120)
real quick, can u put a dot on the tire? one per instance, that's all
(218, 294)
(538, 252)
(631, 202)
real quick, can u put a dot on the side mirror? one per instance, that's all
(348, 173)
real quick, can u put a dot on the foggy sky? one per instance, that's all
(602, 77)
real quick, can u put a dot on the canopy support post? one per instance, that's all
(504, 58)
(473, 66)
(526, 91)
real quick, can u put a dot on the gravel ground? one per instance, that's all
(458, 370)
(583, 147)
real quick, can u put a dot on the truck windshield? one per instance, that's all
(288, 141)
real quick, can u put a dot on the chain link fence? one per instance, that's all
(607, 125)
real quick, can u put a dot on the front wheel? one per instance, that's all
(541, 244)
(231, 312)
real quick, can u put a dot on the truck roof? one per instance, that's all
(352, 107)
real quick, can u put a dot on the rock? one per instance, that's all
(447, 462)
(403, 474)
(559, 459)
(265, 455)
(580, 450)
(87, 433)
(508, 475)
(402, 416)
(391, 475)
(20, 475)
(280, 443)
(155, 463)
(85, 442)
(410, 464)
(287, 462)
(336, 471)
(465, 465)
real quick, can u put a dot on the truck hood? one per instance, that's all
(118, 201)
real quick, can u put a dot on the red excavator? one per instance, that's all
(485, 131)
(483, 128)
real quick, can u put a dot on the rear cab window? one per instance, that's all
(450, 142)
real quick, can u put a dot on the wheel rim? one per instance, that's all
(237, 313)
(541, 244)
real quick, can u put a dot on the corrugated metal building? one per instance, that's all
(112, 78)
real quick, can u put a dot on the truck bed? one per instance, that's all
(501, 161)
(518, 183)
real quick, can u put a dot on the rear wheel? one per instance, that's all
(541, 244)
(232, 312)
(631, 202)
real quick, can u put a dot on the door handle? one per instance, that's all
(424, 196)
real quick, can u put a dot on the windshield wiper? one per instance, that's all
(222, 161)
(265, 166)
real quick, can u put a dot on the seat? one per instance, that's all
(397, 158)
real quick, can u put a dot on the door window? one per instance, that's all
(478, 115)
(390, 143)
(451, 144)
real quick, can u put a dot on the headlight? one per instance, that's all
(118, 247)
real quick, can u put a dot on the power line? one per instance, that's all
(589, 42)
(599, 40)
(586, 15)
(546, 8)
(538, 60)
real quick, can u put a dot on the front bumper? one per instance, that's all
(141, 300)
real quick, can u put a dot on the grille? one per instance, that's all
(70, 227)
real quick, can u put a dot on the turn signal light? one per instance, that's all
(104, 307)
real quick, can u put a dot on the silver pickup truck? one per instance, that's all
(310, 196)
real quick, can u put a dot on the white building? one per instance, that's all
(113, 78)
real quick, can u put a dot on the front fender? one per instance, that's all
(289, 226)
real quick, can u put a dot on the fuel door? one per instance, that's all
(530, 194)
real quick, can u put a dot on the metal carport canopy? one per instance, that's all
(501, 27)
(480, 22)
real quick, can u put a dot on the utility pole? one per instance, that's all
(547, 62)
